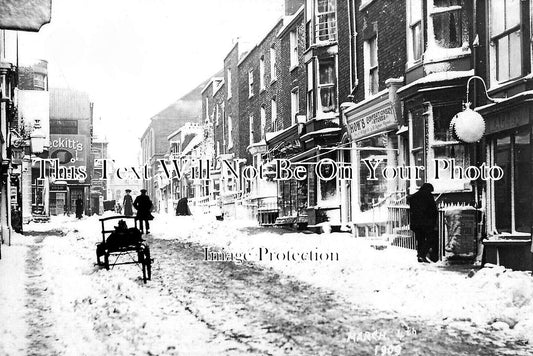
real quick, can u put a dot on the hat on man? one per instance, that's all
(128, 190)
(143, 190)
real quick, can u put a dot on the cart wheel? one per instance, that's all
(106, 260)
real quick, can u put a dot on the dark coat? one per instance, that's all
(79, 207)
(128, 200)
(423, 211)
(183, 208)
(143, 204)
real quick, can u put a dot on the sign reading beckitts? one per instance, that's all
(364, 122)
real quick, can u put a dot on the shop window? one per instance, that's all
(328, 188)
(327, 88)
(414, 31)
(512, 193)
(372, 191)
(444, 146)
(371, 66)
(505, 39)
(417, 123)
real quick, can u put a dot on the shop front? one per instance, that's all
(372, 155)
(509, 199)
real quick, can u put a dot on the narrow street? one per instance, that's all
(198, 307)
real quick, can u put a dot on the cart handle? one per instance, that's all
(117, 217)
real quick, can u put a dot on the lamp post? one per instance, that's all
(468, 125)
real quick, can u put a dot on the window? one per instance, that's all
(295, 104)
(414, 31)
(69, 127)
(294, 48)
(447, 23)
(250, 83)
(263, 121)
(505, 40)
(309, 33)
(327, 89)
(218, 148)
(326, 22)
(371, 66)
(262, 73)
(217, 114)
(273, 70)
(206, 109)
(228, 81)
(251, 128)
(230, 129)
(310, 89)
(274, 114)
(512, 193)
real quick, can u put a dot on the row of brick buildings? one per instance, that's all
(377, 83)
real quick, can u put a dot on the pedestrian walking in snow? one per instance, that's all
(79, 207)
(423, 219)
(143, 205)
(128, 203)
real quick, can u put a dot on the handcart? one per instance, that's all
(123, 245)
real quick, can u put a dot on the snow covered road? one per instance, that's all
(57, 302)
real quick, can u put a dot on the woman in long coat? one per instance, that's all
(79, 207)
(128, 203)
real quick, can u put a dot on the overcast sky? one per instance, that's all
(135, 57)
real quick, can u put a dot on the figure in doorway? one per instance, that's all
(79, 207)
(143, 205)
(423, 214)
(128, 203)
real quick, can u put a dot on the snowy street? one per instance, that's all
(369, 302)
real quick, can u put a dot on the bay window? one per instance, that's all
(505, 40)
(327, 88)
(448, 23)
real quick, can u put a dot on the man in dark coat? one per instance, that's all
(79, 207)
(183, 208)
(143, 204)
(423, 219)
(127, 203)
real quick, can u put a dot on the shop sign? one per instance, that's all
(377, 118)
(506, 120)
(69, 149)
